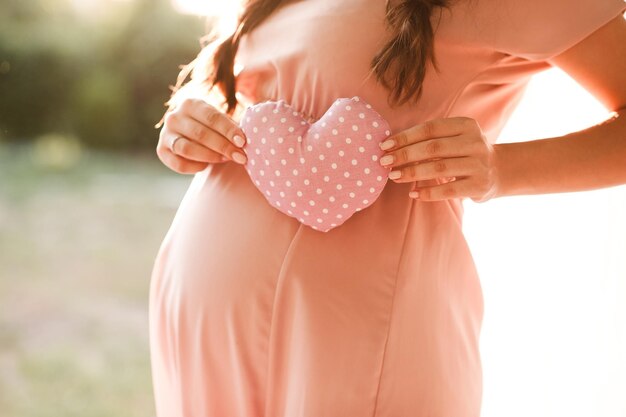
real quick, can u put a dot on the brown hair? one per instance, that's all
(400, 65)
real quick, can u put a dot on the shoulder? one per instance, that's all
(532, 29)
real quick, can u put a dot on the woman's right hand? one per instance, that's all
(207, 135)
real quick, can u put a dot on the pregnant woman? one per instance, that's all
(255, 313)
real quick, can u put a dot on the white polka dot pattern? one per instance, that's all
(325, 171)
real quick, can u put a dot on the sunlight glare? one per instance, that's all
(225, 11)
(553, 271)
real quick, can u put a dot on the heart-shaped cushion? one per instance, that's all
(320, 173)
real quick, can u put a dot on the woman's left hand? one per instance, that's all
(439, 148)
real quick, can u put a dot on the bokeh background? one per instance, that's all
(85, 203)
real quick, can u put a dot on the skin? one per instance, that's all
(208, 136)
(584, 160)
(456, 147)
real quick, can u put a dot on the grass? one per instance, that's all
(79, 231)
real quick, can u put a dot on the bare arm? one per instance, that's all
(584, 160)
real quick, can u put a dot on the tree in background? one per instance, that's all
(98, 70)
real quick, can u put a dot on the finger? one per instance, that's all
(460, 188)
(447, 167)
(180, 164)
(455, 146)
(216, 121)
(434, 128)
(208, 138)
(193, 151)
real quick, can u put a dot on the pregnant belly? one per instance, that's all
(251, 309)
(245, 296)
(225, 238)
(225, 227)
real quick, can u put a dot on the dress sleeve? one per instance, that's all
(538, 29)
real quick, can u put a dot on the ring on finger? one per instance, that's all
(173, 143)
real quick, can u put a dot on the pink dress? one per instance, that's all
(254, 314)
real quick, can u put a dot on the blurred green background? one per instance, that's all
(84, 200)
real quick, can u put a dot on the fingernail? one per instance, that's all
(238, 140)
(239, 158)
(386, 160)
(388, 144)
(414, 194)
(394, 175)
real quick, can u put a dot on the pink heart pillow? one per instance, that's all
(319, 173)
